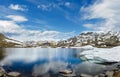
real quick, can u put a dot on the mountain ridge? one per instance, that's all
(96, 39)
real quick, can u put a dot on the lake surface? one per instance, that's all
(45, 62)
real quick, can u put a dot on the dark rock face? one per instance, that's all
(4, 43)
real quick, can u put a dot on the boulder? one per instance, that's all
(96, 76)
(85, 75)
(2, 72)
(116, 74)
(14, 74)
(109, 73)
(101, 75)
(66, 71)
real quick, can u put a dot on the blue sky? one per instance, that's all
(55, 19)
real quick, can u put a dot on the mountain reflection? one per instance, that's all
(44, 61)
(29, 55)
(1, 53)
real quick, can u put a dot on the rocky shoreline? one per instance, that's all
(111, 71)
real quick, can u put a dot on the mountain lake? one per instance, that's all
(45, 62)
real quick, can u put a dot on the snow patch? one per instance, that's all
(108, 54)
(8, 40)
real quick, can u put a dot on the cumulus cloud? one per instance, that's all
(55, 67)
(106, 10)
(17, 18)
(8, 27)
(34, 35)
(18, 7)
(87, 68)
(19, 32)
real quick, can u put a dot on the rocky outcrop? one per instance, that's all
(7, 42)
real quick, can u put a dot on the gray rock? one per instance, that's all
(109, 73)
(85, 75)
(2, 72)
(14, 74)
(96, 76)
(101, 75)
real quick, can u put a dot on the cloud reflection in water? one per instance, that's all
(55, 60)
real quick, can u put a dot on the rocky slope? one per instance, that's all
(7, 42)
(108, 39)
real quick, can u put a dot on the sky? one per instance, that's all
(27, 20)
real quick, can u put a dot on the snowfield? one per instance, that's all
(13, 41)
(107, 54)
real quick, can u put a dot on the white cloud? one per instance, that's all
(88, 25)
(26, 35)
(108, 10)
(17, 18)
(8, 27)
(18, 7)
(45, 7)
(67, 4)
(19, 32)
(50, 6)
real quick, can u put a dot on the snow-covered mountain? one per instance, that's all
(98, 39)
(40, 44)
(7, 42)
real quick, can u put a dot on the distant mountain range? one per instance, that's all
(106, 39)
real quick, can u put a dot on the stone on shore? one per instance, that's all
(109, 73)
(85, 75)
(66, 71)
(2, 72)
(101, 75)
(116, 74)
(14, 74)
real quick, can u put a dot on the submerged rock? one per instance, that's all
(89, 68)
(67, 73)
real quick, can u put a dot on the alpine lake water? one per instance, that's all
(45, 62)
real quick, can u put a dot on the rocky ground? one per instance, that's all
(115, 72)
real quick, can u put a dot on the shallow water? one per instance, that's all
(46, 62)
